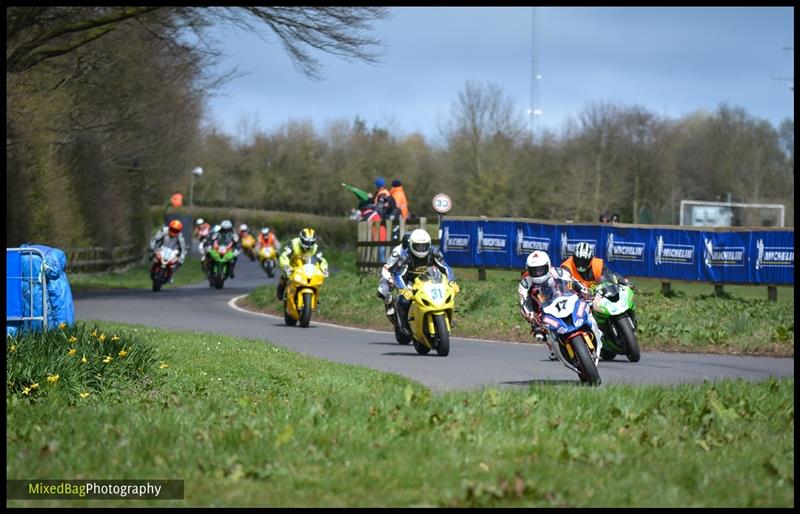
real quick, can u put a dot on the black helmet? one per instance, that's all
(583, 256)
(308, 237)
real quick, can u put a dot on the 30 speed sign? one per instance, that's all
(442, 203)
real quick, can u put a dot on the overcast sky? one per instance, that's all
(671, 60)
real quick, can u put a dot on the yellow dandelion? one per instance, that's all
(62, 325)
(108, 359)
(83, 360)
(27, 390)
(52, 378)
(13, 348)
(72, 339)
(163, 365)
(115, 338)
(123, 353)
(102, 337)
(94, 333)
(84, 394)
(72, 351)
(35, 386)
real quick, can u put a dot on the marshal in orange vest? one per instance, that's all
(596, 267)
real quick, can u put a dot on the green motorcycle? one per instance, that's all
(615, 313)
(219, 261)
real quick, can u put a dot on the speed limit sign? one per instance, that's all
(442, 203)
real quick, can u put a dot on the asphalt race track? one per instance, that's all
(471, 363)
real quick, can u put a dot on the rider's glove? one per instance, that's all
(408, 294)
(287, 271)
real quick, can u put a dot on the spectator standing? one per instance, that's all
(399, 195)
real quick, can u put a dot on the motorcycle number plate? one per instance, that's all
(436, 292)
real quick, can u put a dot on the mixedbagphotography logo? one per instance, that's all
(528, 244)
(568, 245)
(773, 256)
(667, 253)
(491, 242)
(622, 251)
(716, 255)
(455, 242)
(94, 489)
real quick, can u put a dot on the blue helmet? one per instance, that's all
(380, 182)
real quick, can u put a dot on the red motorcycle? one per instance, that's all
(165, 260)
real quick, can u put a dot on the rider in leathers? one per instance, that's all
(419, 257)
(387, 282)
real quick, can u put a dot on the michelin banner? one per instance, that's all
(748, 257)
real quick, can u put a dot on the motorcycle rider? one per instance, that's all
(171, 237)
(224, 237)
(301, 247)
(267, 238)
(201, 229)
(243, 230)
(536, 285)
(386, 282)
(412, 263)
(589, 270)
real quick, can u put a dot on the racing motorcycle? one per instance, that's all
(430, 314)
(249, 245)
(301, 296)
(268, 258)
(164, 261)
(568, 320)
(218, 263)
(614, 312)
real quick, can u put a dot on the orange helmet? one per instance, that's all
(175, 226)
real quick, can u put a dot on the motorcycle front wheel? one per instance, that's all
(590, 373)
(305, 314)
(628, 336)
(442, 335)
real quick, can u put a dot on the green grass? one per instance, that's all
(245, 423)
(691, 319)
(137, 277)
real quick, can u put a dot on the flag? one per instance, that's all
(361, 194)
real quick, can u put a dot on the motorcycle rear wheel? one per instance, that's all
(400, 336)
(421, 348)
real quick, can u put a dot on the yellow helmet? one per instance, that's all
(308, 237)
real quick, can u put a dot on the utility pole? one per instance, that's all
(788, 79)
(534, 111)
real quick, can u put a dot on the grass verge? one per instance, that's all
(246, 423)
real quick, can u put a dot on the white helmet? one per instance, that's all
(420, 243)
(583, 256)
(243, 227)
(215, 229)
(226, 225)
(265, 231)
(199, 221)
(538, 264)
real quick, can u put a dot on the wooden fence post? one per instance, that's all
(772, 293)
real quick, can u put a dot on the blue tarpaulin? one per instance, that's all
(24, 288)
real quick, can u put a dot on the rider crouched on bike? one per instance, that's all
(301, 247)
(412, 263)
(590, 270)
(224, 237)
(267, 238)
(536, 286)
(387, 282)
(171, 237)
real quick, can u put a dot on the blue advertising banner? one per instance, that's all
(746, 257)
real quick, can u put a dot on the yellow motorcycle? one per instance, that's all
(302, 291)
(249, 245)
(430, 315)
(268, 258)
